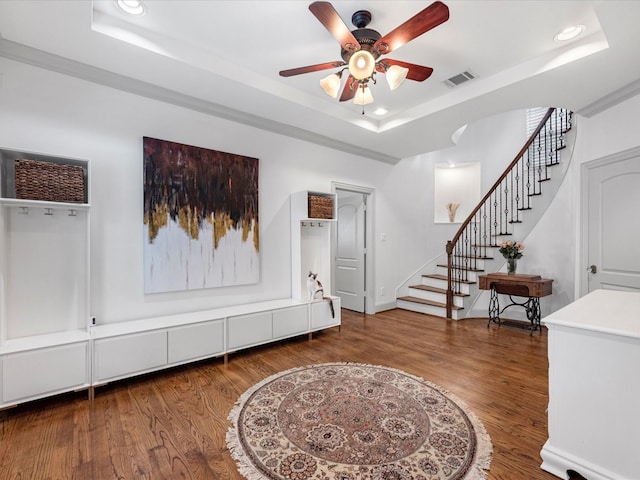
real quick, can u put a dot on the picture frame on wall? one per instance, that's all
(201, 227)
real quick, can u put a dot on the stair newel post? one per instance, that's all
(449, 279)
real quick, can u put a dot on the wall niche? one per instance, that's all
(456, 191)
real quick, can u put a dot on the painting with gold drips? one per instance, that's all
(200, 218)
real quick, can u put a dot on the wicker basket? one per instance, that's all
(49, 181)
(320, 207)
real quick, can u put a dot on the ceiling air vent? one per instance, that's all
(459, 79)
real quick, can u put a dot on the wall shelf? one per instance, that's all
(17, 202)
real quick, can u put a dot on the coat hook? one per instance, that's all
(48, 211)
(72, 212)
(24, 210)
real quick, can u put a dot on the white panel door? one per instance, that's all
(350, 251)
(613, 218)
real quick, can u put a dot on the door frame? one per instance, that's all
(369, 259)
(584, 200)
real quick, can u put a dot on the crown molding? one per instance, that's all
(611, 100)
(55, 63)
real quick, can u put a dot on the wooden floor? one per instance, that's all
(172, 424)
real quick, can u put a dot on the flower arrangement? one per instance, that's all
(511, 249)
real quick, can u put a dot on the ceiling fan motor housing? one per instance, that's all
(366, 37)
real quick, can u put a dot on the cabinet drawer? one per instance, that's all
(196, 341)
(289, 321)
(43, 372)
(129, 354)
(321, 314)
(247, 330)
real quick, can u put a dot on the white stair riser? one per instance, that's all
(471, 276)
(434, 282)
(434, 296)
(426, 309)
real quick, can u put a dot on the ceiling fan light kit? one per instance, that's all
(331, 84)
(363, 96)
(362, 47)
(361, 65)
(395, 75)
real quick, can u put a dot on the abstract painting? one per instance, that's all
(200, 218)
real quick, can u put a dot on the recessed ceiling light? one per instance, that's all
(132, 7)
(569, 33)
(381, 111)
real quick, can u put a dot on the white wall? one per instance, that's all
(45, 112)
(409, 189)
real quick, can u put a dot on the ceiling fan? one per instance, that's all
(362, 48)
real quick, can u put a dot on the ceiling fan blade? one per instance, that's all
(328, 16)
(417, 73)
(311, 68)
(350, 88)
(422, 22)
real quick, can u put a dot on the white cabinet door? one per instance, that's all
(196, 341)
(290, 321)
(248, 330)
(321, 316)
(129, 354)
(46, 371)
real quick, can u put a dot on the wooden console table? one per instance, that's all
(516, 285)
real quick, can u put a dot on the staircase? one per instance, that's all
(452, 287)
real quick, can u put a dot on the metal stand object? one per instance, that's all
(531, 306)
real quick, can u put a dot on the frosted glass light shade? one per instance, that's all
(363, 96)
(331, 84)
(395, 75)
(361, 65)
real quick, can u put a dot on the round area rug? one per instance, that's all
(355, 422)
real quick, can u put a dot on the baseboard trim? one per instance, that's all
(557, 462)
(381, 307)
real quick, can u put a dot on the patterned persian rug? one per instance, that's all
(355, 422)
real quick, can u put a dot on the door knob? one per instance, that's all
(592, 269)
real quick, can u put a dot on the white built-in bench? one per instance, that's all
(125, 349)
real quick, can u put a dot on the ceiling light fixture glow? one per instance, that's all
(569, 33)
(132, 7)
(361, 65)
(381, 111)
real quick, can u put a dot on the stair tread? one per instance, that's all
(428, 302)
(428, 288)
(437, 276)
(463, 268)
(476, 257)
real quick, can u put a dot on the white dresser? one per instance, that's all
(594, 387)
